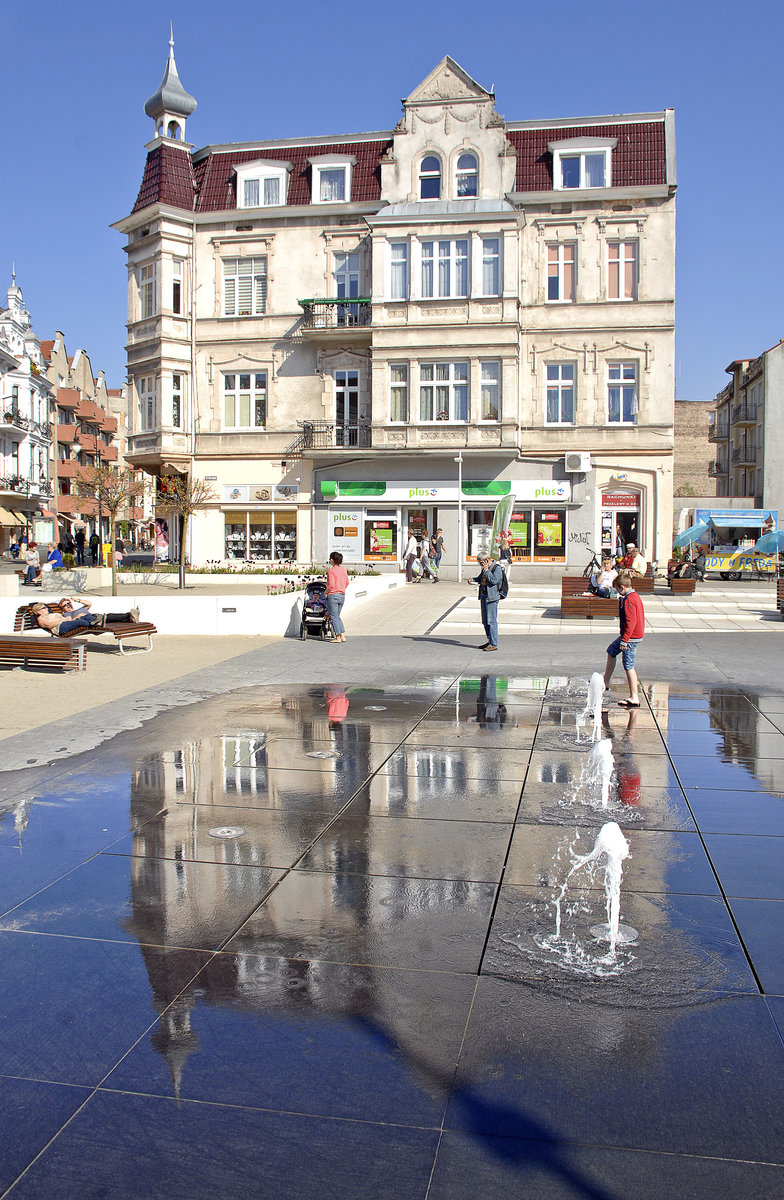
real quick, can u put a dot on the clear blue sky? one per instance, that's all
(76, 76)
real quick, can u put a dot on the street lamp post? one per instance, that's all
(460, 555)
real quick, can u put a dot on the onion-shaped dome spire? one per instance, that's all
(171, 104)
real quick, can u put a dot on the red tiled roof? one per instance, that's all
(637, 161)
(217, 185)
(171, 177)
(46, 350)
(168, 179)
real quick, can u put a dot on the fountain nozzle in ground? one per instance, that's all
(611, 843)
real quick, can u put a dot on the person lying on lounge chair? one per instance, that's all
(78, 608)
(62, 624)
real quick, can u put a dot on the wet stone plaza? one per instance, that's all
(354, 941)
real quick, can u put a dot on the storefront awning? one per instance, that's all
(10, 517)
(739, 518)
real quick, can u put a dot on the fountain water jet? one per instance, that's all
(600, 766)
(611, 843)
(593, 706)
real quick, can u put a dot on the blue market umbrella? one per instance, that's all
(771, 543)
(692, 534)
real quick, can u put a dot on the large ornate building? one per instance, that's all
(354, 335)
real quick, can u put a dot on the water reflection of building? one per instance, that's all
(748, 738)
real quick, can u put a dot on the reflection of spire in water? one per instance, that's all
(175, 1041)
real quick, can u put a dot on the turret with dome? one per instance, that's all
(170, 104)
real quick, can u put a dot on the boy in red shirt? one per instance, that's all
(632, 617)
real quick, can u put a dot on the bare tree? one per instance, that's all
(182, 496)
(114, 489)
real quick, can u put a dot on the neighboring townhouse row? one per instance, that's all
(747, 430)
(358, 335)
(54, 423)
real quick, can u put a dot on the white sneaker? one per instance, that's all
(135, 615)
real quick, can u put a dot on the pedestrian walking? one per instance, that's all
(439, 547)
(505, 554)
(489, 579)
(632, 618)
(410, 556)
(79, 539)
(95, 543)
(337, 586)
(425, 561)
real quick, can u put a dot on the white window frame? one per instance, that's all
(493, 261)
(562, 261)
(324, 163)
(444, 262)
(178, 285)
(560, 383)
(147, 279)
(489, 384)
(146, 391)
(622, 253)
(237, 272)
(254, 391)
(622, 381)
(399, 280)
(443, 401)
(176, 399)
(261, 173)
(399, 384)
(582, 149)
(463, 173)
(423, 175)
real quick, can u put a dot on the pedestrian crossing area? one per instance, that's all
(536, 609)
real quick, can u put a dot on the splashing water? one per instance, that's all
(600, 767)
(593, 706)
(611, 844)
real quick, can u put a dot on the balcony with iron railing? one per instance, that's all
(744, 456)
(717, 468)
(331, 319)
(327, 435)
(719, 432)
(20, 485)
(744, 413)
(13, 425)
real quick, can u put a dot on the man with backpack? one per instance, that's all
(493, 586)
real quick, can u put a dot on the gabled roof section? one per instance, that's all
(216, 182)
(639, 159)
(447, 81)
(168, 179)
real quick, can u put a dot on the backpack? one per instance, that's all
(503, 587)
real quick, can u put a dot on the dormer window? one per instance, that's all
(430, 178)
(331, 179)
(582, 163)
(262, 184)
(467, 176)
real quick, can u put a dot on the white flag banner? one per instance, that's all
(503, 515)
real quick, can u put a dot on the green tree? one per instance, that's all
(114, 489)
(182, 496)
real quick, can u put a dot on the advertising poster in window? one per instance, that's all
(345, 534)
(518, 536)
(550, 537)
(380, 540)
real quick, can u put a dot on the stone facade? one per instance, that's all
(322, 328)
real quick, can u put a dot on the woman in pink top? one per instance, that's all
(337, 583)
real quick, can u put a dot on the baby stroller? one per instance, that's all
(315, 618)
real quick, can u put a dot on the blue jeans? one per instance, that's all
(490, 619)
(83, 622)
(334, 605)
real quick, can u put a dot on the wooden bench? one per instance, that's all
(63, 654)
(780, 596)
(682, 587)
(575, 604)
(121, 631)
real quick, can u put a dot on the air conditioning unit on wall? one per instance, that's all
(577, 463)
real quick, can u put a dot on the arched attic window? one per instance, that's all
(430, 178)
(467, 176)
(174, 130)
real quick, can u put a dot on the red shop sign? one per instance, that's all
(620, 500)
